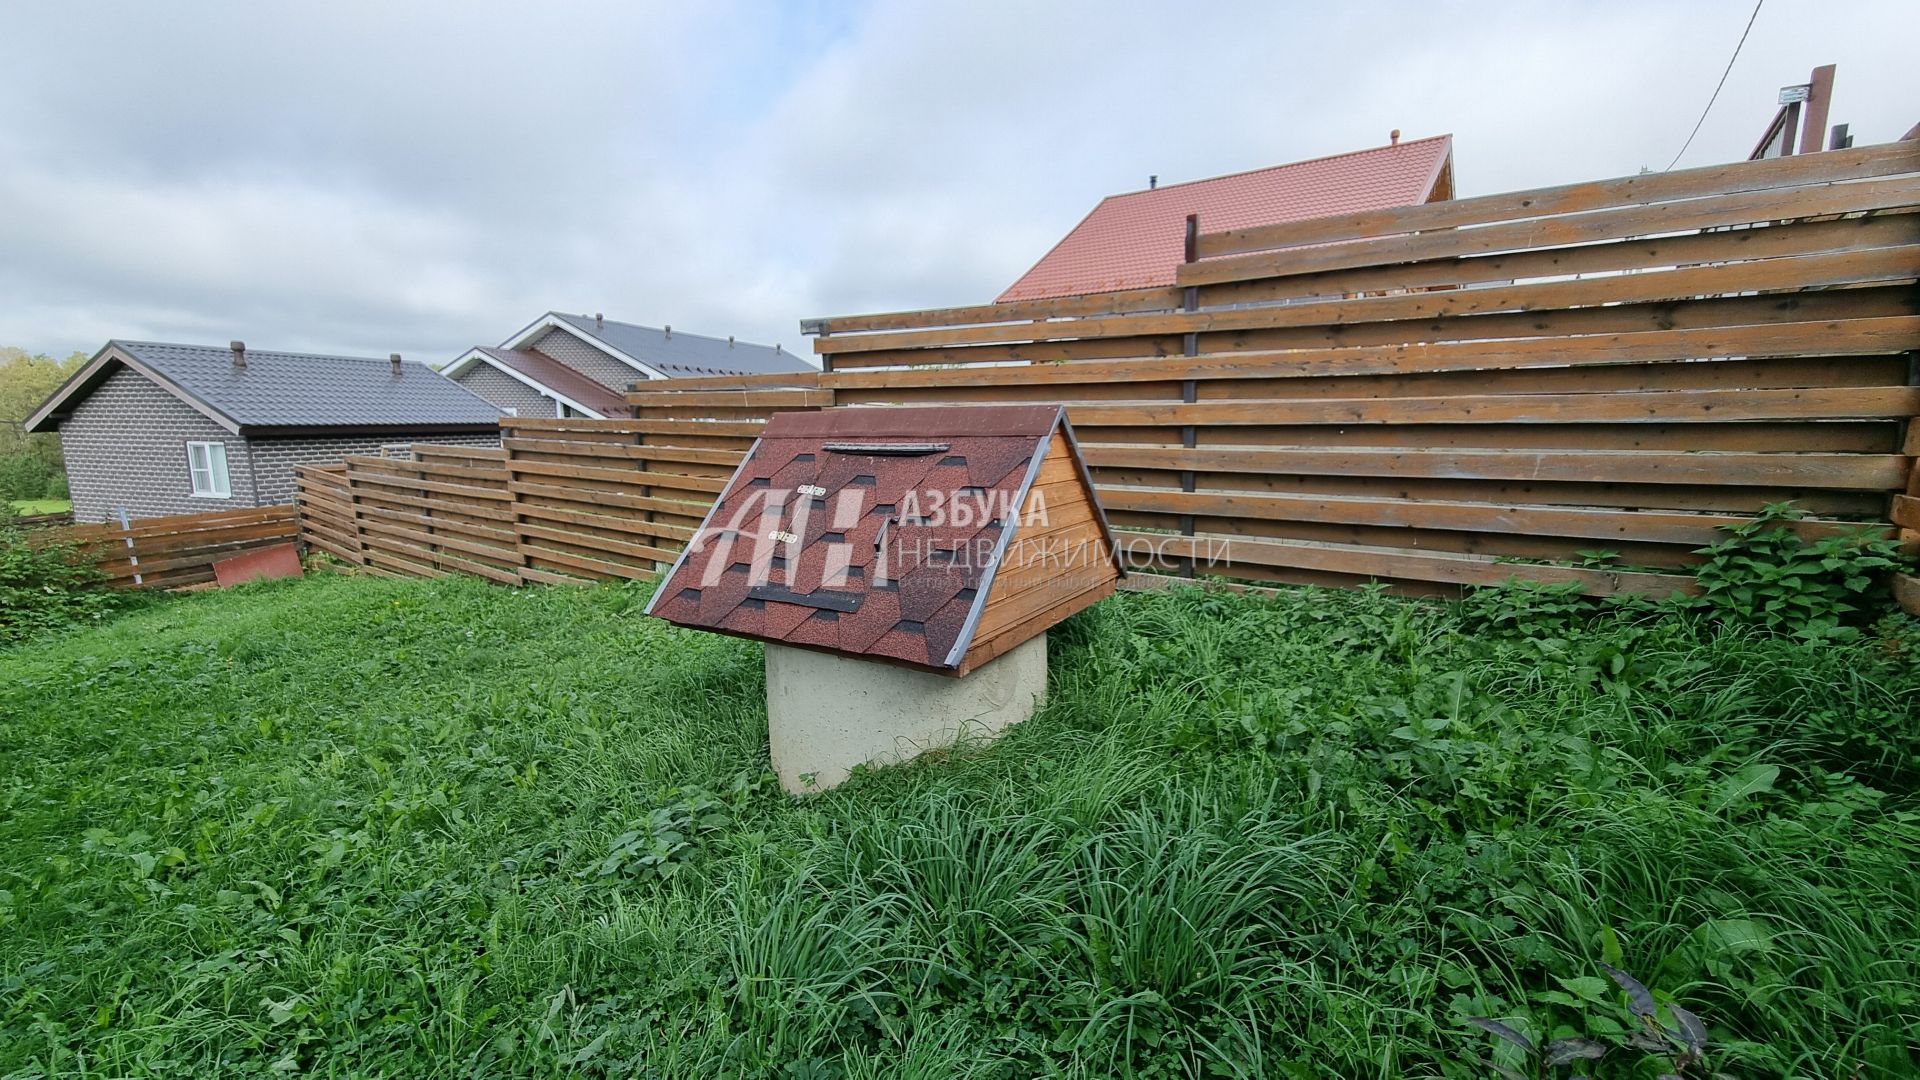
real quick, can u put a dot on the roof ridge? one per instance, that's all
(252, 352)
(662, 330)
(1282, 165)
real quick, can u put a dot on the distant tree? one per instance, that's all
(30, 465)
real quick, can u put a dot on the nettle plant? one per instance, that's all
(1767, 574)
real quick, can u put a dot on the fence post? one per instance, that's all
(1910, 446)
(360, 544)
(1189, 388)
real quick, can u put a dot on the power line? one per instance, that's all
(1719, 87)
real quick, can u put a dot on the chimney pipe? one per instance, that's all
(1153, 181)
(239, 353)
(1393, 137)
(599, 321)
(669, 330)
(394, 359)
(729, 341)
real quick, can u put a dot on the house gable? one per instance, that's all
(125, 444)
(596, 362)
(505, 389)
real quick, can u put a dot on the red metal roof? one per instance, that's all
(814, 543)
(562, 379)
(1137, 240)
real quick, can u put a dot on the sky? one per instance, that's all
(422, 177)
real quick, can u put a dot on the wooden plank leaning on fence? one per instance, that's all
(175, 550)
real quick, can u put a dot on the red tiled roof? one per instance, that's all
(1138, 239)
(907, 594)
(562, 379)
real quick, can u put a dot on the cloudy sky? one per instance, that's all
(364, 177)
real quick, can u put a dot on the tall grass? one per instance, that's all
(365, 826)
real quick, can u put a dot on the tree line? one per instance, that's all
(30, 465)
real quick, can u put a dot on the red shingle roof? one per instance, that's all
(1137, 240)
(814, 543)
(562, 379)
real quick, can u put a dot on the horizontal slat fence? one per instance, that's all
(1426, 395)
(176, 550)
(1431, 396)
(562, 500)
(44, 521)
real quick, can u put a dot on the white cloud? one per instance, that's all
(368, 177)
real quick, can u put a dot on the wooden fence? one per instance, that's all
(1423, 395)
(561, 501)
(44, 521)
(1431, 396)
(176, 550)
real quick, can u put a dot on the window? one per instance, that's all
(207, 463)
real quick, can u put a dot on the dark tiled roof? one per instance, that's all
(734, 581)
(682, 355)
(301, 390)
(562, 379)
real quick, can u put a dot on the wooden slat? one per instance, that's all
(1744, 208)
(473, 453)
(1409, 565)
(471, 472)
(1646, 188)
(628, 477)
(1106, 303)
(643, 452)
(1662, 406)
(574, 561)
(711, 399)
(389, 481)
(1848, 471)
(1863, 337)
(664, 530)
(1645, 526)
(1797, 272)
(606, 499)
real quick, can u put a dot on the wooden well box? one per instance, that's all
(937, 538)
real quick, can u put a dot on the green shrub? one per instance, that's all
(23, 476)
(1766, 574)
(44, 585)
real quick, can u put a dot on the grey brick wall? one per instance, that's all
(505, 390)
(126, 447)
(274, 459)
(587, 360)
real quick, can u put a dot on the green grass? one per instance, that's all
(363, 826)
(41, 506)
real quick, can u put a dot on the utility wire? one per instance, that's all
(1718, 88)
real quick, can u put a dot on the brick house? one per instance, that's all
(582, 365)
(152, 429)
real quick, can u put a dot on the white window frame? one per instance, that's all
(213, 470)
